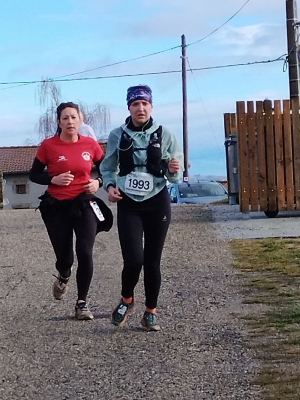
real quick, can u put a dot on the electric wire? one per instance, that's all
(221, 26)
(120, 62)
(158, 52)
(132, 59)
(206, 113)
(143, 74)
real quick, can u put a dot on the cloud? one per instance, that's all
(257, 40)
(243, 36)
(173, 18)
(77, 36)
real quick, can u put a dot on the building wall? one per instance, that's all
(20, 183)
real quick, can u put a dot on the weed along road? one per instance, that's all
(266, 252)
(200, 353)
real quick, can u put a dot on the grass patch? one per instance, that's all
(283, 387)
(272, 268)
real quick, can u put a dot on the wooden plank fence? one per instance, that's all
(268, 140)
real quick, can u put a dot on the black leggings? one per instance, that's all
(60, 226)
(151, 219)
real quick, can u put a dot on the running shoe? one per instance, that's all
(82, 311)
(60, 287)
(149, 322)
(120, 313)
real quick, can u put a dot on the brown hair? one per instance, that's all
(62, 106)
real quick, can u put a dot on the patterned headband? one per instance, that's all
(138, 92)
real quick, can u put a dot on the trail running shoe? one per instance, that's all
(60, 287)
(120, 313)
(82, 311)
(149, 322)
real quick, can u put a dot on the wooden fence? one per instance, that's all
(268, 140)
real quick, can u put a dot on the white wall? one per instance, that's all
(30, 199)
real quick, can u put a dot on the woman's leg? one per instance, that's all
(60, 231)
(156, 224)
(85, 229)
(130, 230)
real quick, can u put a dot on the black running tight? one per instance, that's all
(142, 230)
(60, 227)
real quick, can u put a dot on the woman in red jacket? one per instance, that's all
(69, 204)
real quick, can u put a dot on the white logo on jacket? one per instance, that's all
(62, 158)
(86, 156)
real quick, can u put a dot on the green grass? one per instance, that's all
(272, 271)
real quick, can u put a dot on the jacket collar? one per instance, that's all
(134, 128)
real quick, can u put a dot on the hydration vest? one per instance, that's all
(154, 163)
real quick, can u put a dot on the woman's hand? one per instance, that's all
(174, 165)
(114, 194)
(92, 186)
(63, 179)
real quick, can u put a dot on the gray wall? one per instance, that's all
(33, 191)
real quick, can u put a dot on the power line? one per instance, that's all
(158, 52)
(119, 62)
(154, 54)
(20, 83)
(12, 87)
(131, 59)
(206, 113)
(221, 26)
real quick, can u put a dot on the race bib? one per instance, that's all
(139, 183)
(97, 210)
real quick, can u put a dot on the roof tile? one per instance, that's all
(20, 158)
(17, 159)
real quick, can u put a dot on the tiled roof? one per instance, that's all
(20, 159)
(17, 159)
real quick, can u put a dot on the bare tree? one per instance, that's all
(98, 117)
(49, 96)
(49, 92)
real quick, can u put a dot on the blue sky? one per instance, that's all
(54, 38)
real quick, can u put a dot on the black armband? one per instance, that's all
(99, 179)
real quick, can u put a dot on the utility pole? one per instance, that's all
(184, 109)
(292, 43)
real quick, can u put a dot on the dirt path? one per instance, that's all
(200, 353)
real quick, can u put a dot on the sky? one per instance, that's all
(100, 48)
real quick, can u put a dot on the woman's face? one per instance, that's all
(140, 111)
(69, 121)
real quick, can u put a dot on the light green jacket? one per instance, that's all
(109, 167)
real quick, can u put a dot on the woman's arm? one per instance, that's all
(109, 166)
(175, 156)
(38, 174)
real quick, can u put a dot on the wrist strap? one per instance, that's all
(99, 179)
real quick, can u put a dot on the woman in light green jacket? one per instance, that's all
(141, 156)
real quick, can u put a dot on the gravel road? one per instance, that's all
(230, 223)
(200, 353)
